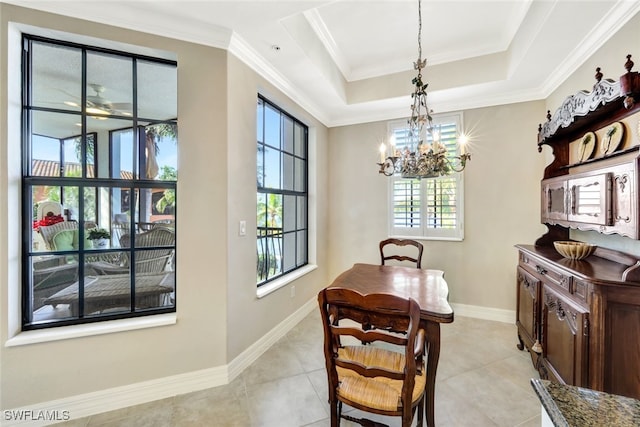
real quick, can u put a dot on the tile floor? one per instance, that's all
(482, 381)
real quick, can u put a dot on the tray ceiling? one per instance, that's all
(350, 61)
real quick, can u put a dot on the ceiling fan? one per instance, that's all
(99, 105)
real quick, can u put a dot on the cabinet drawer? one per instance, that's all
(546, 272)
(581, 290)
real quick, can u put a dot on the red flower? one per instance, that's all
(50, 219)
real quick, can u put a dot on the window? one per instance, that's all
(428, 208)
(99, 152)
(282, 232)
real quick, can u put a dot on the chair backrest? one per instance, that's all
(48, 232)
(48, 206)
(155, 260)
(389, 244)
(355, 370)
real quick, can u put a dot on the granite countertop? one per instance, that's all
(570, 406)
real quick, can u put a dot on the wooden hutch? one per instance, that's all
(580, 320)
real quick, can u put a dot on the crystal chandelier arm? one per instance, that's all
(458, 163)
(388, 167)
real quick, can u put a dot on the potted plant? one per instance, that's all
(99, 236)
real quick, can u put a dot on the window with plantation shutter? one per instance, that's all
(428, 208)
(406, 203)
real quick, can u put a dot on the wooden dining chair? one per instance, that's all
(385, 377)
(390, 244)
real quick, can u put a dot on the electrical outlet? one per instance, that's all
(242, 228)
(293, 291)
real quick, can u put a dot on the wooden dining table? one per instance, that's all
(428, 288)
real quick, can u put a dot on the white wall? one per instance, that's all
(501, 203)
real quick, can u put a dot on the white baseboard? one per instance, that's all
(485, 313)
(84, 405)
(80, 406)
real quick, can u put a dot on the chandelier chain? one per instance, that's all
(419, 35)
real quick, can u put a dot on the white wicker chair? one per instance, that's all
(48, 232)
(146, 261)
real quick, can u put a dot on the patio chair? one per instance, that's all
(146, 261)
(51, 274)
(48, 206)
(63, 236)
(59, 236)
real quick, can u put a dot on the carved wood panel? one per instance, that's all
(564, 338)
(580, 104)
(527, 314)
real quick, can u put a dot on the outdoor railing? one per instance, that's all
(269, 251)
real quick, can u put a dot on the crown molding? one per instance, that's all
(597, 37)
(156, 24)
(322, 32)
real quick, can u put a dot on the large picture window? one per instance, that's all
(282, 233)
(428, 208)
(99, 161)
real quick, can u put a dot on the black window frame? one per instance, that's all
(267, 236)
(29, 181)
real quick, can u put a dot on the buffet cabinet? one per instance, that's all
(580, 320)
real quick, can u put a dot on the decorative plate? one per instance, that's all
(612, 138)
(587, 146)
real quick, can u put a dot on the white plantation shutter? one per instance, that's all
(430, 208)
(406, 203)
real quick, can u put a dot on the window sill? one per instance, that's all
(98, 328)
(270, 287)
(445, 239)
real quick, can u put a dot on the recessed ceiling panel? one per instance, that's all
(380, 38)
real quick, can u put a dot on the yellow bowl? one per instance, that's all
(574, 250)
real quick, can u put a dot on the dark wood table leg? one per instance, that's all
(432, 330)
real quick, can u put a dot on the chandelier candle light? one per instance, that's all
(418, 159)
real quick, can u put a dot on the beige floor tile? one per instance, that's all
(458, 410)
(322, 423)
(319, 381)
(159, 411)
(139, 416)
(280, 361)
(532, 422)
(80, 422)
(288, 402)
(482, 381)
(502, 401)
(230, 411)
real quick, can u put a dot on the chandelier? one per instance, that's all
(419, 159)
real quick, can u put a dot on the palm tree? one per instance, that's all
(270, 213)
(168, 199)
(153, 133)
